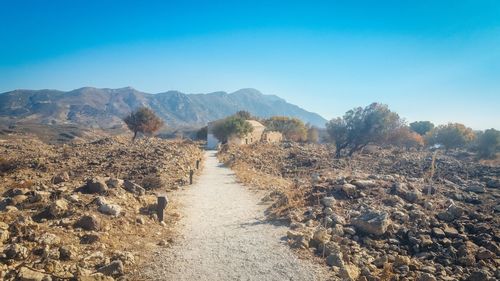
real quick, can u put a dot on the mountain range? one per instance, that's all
(104, 108)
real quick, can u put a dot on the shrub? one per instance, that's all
(488, 144)
(451, 135)
(153, 181)
(144, 121)
(7, 165)
(404, 137)
(362, 126)
(292, 128)
(312, 135)
(233, 125)
(244, 114)
(421, 127)
(201, 134)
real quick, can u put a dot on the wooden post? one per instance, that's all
(191, 173)
(162, 201)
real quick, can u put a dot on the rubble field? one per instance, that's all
(384, 214)
(87, 210)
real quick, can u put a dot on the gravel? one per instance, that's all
(225, 236)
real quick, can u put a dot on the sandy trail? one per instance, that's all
(225, 236)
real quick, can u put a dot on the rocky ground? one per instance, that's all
(385, 214)
(86, 211)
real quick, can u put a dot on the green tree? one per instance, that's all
(232, 125)
(292, 128)
(488, 144)
(362, 126)
(201, 134)
(451, 135)
(422, 127)
(144, 121)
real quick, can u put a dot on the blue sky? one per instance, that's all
(429, 60)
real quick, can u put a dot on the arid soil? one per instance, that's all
(86, 211)
(385, 214)
(224, 235)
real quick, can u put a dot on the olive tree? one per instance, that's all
(421, 127)
(292, 128)
(488, 143)
(233, 125)
(144, 121)
(451, 135)
(362, 126)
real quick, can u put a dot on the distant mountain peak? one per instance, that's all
(105, 108)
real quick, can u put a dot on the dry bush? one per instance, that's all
(7, 165)
(153, 181)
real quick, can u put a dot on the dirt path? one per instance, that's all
(225, 237)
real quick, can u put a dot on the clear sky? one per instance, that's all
(428, 60)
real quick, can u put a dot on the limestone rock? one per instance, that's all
(372, 222)
(88, 222)
(134, 188)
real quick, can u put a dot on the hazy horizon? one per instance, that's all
(426, 60)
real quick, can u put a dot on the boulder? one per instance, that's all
(321, 236)
(493, 183)
(110, 209)
(95, 185)
(328, 201)
(452, 213)
(114, 183)
(372, 222)
(48, 239)
(16, 252)
(335, 259)
(364, 183)
(349, 190)
(134, 188)
(404, 192)
(61, 177)
(438, 232)
(88, 222)
(26, 274)
(66, 253)
(113, 268)
(58, 208)
(478, 275)
(476, 189)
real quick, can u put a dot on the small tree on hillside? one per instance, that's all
(362, 126)
(233, 125)
(244, 114)
(488, 144)
(292, 128)
(144, 121)
(421, 127)
(451, 135)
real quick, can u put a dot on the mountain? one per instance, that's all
(105, 108)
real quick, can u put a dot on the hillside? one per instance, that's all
(104, 108)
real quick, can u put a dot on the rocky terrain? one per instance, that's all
(385, 214)
(86, 211)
